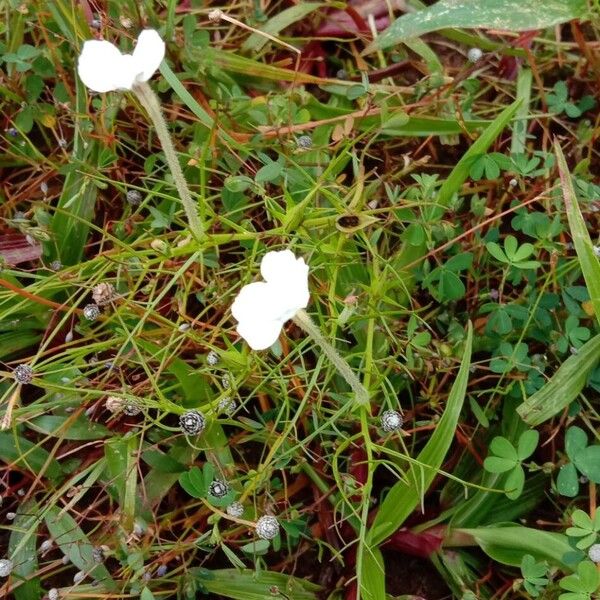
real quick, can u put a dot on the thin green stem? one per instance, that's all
(303, 320)
(151, 103)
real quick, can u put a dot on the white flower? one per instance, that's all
(103, 68)
(261, 308)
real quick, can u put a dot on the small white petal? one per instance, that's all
(260, 334)
(99, 65)
(148, 54)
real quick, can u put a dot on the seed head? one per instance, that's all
(91, 312)
(56, 265)
(134, 197)
(214, 16)
(226, 381)
(218, 488)
(131, 409)
(594, 553)
(192, 422)
(78, 577)
(98, 554)
(267, 527)
(45, 546)
(235, 509)
(227, 405)
(23, 374)
(53, 594)
(113, 404)
(597, 251)
(474, 55)
(304, 142)
(103, 293)
(161, 571)
(212, 358)
(391, 420)
(5, 567)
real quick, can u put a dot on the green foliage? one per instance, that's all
(582, 584)
(558, 102)
(505, 458)
(534, 575)
(585, 529)
(584, 459)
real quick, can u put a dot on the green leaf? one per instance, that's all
(588, 462)
(496, 464)
(508, 544)
(404, 496)
(494, 249)
(73, 543)
(502, 447)
(512, 15)
(162, 462)
(575, 441)
(24, 454)
(372, 583)
(23, 552)
(567, 482)
(254, 585)
(563, 387)
(513, 486)
(69, 428)
(269, 172)
(590, 265)
(527, 443)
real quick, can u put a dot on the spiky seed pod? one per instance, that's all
(192, 422)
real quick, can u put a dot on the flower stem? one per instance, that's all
(303, 320)
(151, 103)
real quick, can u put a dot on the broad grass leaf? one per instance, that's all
(73, 543)
(25, 455)
(69, 428)
(563, 387)
(509, 544)
(252, 585)
(406, 495)
(512, 15)
(23, 553)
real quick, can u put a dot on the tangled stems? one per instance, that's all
(303, 320)
(151, 103)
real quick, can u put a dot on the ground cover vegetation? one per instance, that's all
(300, 300)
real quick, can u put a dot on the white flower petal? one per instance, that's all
(261, 308)
(259, 334)
(253, 302)
(100, 65)
(276, 266)
(148, 54)
(103, 68)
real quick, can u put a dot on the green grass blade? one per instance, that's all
(278, 23)
(519, 135)
(372, 583)
(590, 266)
(563, 387)
(406, 495)
(511, 15)
(25, 455)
